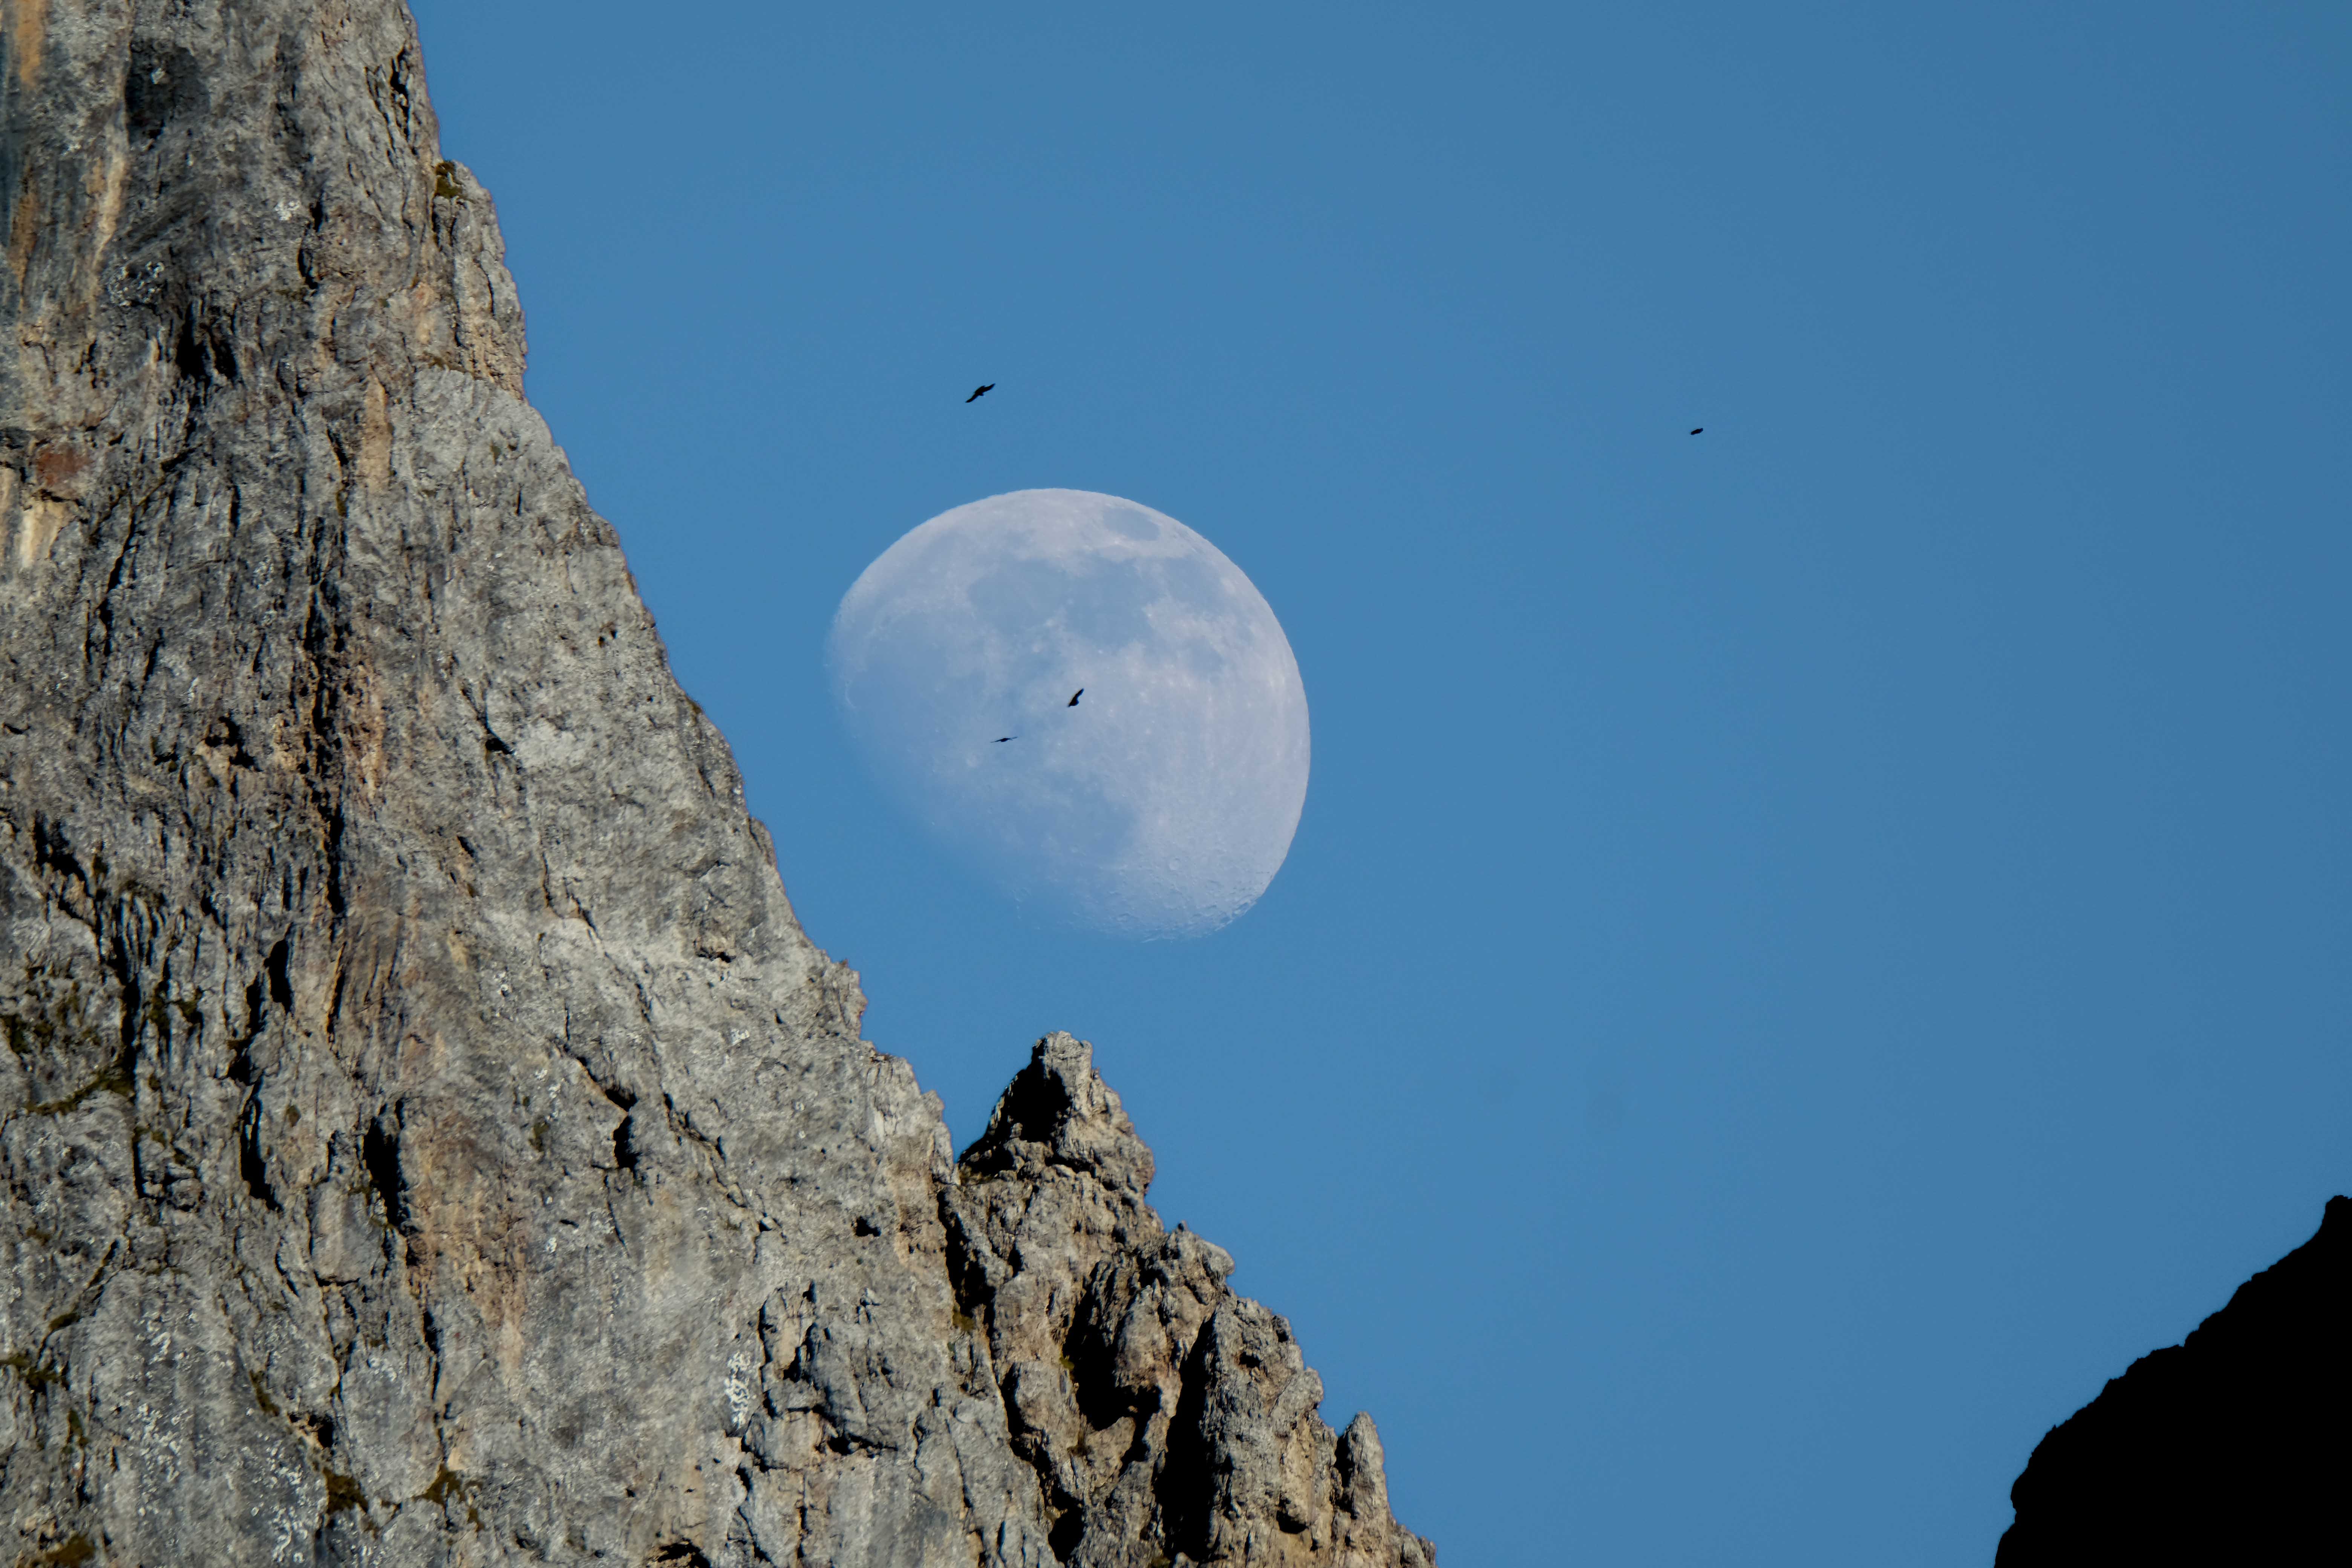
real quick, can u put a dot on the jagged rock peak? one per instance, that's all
(427, 1136)
(1059, 1111)
(1155, 1403)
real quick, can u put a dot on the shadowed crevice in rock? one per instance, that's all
(2231, 1446)
(380, 1153)
(250, 1165)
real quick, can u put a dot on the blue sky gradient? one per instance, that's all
(1810, 946)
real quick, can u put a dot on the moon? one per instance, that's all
(1162, 803)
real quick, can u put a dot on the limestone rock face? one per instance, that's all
(426, 1135)
(1155, 1405)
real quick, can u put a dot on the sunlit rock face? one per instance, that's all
(427, 1134)
(1163, 801)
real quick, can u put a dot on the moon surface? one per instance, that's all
(1164, 801)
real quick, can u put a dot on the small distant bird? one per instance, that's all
(978, 390)
(1701, 429)
(1081, 691)
(1001, 739)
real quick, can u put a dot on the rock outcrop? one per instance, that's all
(2227, 1448)
(427, 1134)
(1153, 1403)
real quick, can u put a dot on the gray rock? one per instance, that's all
(1165, 1416)
(426, 1135)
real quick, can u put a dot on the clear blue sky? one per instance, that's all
(1810, 946)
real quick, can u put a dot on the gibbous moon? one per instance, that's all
(1161, 804)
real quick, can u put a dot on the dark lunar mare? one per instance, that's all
(427, 1134)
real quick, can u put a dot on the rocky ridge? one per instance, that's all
(427, 1134)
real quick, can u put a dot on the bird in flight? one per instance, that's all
(1694, 432)
(1081, 691)
(1001, 739)
(976, 391)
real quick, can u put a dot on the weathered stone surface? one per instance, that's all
(426, 1135)
(1162, 1412)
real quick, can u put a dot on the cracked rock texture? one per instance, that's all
(426, 1135)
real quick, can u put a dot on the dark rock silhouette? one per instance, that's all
(2228, 1448)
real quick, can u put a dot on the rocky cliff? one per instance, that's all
(426, 1135)
(2230, 1446)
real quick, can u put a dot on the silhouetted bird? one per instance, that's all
(1001, 739)
(978, 390)
(1695, 432)
(1081, 691)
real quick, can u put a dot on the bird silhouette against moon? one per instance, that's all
(1160, 807)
